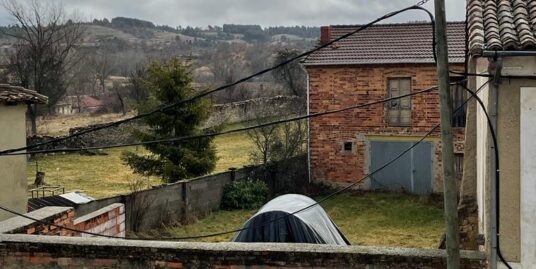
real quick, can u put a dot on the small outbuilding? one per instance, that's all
(13, 183)
(276, 222)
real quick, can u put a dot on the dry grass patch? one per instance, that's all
(371, 219)
(105, 176)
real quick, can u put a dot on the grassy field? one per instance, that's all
(372, 219)
(104, 176)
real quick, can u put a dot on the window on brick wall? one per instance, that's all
(459, 95)
(399, 111)
(348, 147)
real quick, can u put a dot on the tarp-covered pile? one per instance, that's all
(275, 223)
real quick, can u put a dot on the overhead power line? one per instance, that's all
(213, 134)
(266, 223)
(205, 93)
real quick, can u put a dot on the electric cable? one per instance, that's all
(213, 134)
(274, 220)
(497, 170)
(205, 93)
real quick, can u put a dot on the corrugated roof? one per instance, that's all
(12, 95)
(71, 199)
(501, 25)
(389, 44)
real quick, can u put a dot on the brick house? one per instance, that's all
(382, 61)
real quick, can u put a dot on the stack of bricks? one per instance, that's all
(64, 219)
(109, 220)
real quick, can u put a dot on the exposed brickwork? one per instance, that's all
(109, 220)
(341, 86)
(18, 251)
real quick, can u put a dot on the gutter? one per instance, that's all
(507, 53)
(308, 133)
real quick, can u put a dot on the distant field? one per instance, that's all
(371, 219)
(104, 176)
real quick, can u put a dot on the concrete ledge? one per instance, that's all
(210, 255)
(45, 213)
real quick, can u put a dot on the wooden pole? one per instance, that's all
(449, 179)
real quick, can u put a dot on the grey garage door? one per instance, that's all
(411, 173)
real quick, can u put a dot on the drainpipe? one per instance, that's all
(495, 65)
(308, 133)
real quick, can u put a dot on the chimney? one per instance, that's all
(325, 34)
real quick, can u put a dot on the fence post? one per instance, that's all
(232, 172)
(185, 203)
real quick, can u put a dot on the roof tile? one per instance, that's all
(389, 44)
(508, 25)
(12, 95)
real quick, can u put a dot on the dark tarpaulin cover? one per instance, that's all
(312, 225)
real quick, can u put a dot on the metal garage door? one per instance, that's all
(411, 173)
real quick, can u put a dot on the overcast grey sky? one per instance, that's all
(263, 12)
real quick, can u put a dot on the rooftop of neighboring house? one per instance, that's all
(386, 44)
(12, 95)
(501, 25)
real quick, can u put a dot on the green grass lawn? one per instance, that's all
(372, 219)
(104, 176)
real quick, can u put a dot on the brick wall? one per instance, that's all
(23, 251)
(109, 220)
(341, 86)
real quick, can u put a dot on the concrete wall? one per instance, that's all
(335, 87)
(13, 183)
(509, 133)
(39, 252)
(189, 199)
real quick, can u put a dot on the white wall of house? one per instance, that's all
(516, 131)
(482, 157)
(528, 177)
(13, 183)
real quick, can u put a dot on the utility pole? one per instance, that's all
(449, 180)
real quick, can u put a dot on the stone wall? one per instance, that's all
(337, 87)
(251, 109)
(23, 251)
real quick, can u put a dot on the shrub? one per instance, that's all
(249, 194)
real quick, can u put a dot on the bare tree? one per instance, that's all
(46, 39)
(292, 75)
(137, 86)
(277, 142)
(263, 139)
(103, 66)
(82, 81)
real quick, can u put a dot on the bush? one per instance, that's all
(249, 194)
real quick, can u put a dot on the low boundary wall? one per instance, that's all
(23, 251)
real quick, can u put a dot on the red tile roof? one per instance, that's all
(12, 95)
(389, 44)
(501, 25)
